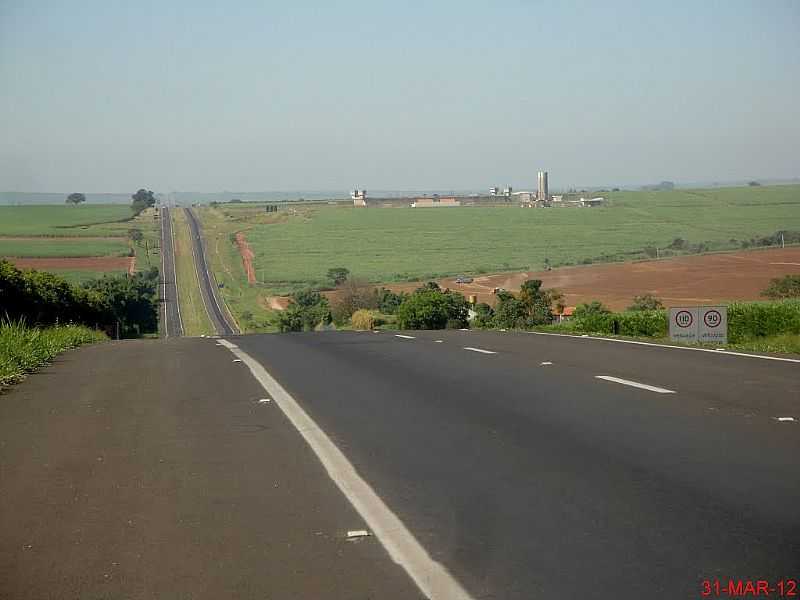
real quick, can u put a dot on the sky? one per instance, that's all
(111, 96)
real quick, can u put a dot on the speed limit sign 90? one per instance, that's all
(713, 324)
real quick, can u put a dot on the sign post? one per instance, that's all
(708, 324)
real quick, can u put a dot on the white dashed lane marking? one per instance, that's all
(636, 384)
(405, 337)
(481, 350)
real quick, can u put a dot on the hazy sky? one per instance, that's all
(197, 95)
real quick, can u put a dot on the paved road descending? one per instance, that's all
(170, 315)
(542, 467)
(215, 305)
(148, 469)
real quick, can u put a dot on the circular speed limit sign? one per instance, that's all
(712, 318)
(684, 319)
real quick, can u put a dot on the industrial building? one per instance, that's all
(435, 202)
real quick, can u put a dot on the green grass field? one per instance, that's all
(395, 244)
(63, 247)
(59, 220)
(77, 277)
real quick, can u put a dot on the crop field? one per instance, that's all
(45, 220)
(63, 247)
(78, 241)
(399, 244)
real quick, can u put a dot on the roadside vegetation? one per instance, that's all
(194, 315)
(25, 349)
(127, 306)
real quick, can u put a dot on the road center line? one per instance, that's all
(432, 578)
(405, 337)
(471, 349)
(635, 384)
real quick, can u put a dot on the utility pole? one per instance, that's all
(783, 245)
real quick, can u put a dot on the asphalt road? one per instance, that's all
(170, 314)
(531, 480)
(215, 305)
(150, 469)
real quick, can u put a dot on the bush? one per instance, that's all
(431, 308)
(761, 319)
(646, 302)
(362, 320)
(484, 316)
(782, 288)
(307, 309)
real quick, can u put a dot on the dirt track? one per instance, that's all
(687, 280)
(100, 263)
(247, 257)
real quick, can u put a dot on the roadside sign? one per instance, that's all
(699, 324)
(683, 324)
(712, 324)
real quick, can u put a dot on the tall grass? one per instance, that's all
(24, 349)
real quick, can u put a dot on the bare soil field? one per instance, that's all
(99, 264)
(247, 257)
(686, 280)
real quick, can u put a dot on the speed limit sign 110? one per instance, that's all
(683, 323)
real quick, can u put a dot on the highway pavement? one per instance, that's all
(170, 314)
(215, 305)
(523, 465)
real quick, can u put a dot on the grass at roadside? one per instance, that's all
(24, 349)
(193, 312)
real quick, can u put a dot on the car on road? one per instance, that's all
(464, 280)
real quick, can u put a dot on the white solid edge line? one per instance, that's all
(636, 384)
(432, 578)
(471, 349)
(605, 339)
(405, 337)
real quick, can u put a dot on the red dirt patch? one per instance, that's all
(274, 302)
(686, 280)
(247, 257)
(99, 263)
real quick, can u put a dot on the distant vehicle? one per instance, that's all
(464, 280)
(220, 285)
(498, 290)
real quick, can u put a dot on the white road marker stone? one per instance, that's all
(784, 419)
(433, 579)
(636, 384)
(237, 360)
(405, 337)
(264, 400)
(545, 363)
(357, 534)
(464, 329)
(481, 350)
(438, 341)
(504, 330)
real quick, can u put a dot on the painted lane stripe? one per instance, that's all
(433, 579)
(643, 386)
(605, 339)
(405, 337)
(471, 349)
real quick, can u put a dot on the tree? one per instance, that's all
(135, 235)
(306, 310)
(782, 288)
(142, 199)
(429, 308)
(338, 275)
(388, 301)
(75, 198)
(646, 302)
(484, 315)
(355, 294)
(753, 183)
(595, 307)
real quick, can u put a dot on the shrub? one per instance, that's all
(781, 288)
(760, 319)
(646, 302)
(431, 308)
(362, 320)
(307, 309)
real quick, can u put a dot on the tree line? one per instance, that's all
(120, 305)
